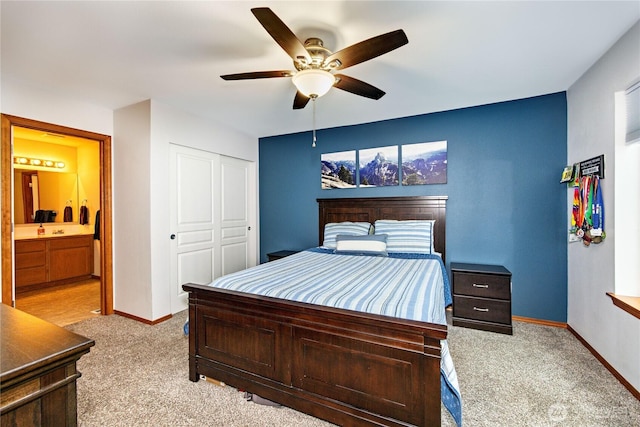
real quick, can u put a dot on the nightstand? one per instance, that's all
(272, 256)
(482, 297)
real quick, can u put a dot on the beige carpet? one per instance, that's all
(137, 375)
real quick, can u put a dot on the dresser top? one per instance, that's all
(479, 268)
(29, 342)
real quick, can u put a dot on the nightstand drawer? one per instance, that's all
(487, 310)
(482, 285)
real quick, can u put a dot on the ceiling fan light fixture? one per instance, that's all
(313, 83)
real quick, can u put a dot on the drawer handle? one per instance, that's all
(480, 285)
(481, 309)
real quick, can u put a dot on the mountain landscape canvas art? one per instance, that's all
(338, 170)
(424, 163)
(378, 166)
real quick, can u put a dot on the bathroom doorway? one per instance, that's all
(103, 228)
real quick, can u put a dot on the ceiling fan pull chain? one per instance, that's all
(313, 99)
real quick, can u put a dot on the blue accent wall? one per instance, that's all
(506, 204)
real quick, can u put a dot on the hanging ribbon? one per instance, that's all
(588, 210)
(597, 232)
(575, 217)
(587, 202)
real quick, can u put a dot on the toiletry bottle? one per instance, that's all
(41, 230)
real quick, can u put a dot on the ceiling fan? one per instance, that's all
(315, 64)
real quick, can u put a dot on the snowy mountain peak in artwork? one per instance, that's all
(379, 172)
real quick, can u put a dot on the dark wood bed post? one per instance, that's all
(432, 400)
(193, 338)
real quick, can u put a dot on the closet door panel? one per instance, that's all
(194, 217)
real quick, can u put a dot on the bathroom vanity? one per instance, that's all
(51, 260)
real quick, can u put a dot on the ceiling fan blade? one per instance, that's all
(357, 87)
(300, 101)
(281, 34)
(366, 50)
(258, 75)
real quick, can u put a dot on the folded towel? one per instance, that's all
(39, 216)
(50, 216)
(45, 215)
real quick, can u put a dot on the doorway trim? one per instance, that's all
(6, 165)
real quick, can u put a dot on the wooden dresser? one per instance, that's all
(482, 297)
(38, 364)
(49, 261)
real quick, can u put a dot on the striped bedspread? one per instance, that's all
(408, 286)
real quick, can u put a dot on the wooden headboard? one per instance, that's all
(370, 209)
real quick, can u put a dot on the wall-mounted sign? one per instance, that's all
(594, 166)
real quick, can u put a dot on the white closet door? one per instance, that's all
(235, 218)
(195, 220)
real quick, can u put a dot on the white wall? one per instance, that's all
(612, 332)
(46, 105)
(141, 197)
(132, 211)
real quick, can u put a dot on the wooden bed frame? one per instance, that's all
(346, 367)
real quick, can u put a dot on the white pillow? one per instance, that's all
(332, 229)
(411, 236)
(362, 245)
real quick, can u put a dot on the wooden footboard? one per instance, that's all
(346, 367)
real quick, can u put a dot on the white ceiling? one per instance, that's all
(460, 54)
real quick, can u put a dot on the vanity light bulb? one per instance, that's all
(38, 162)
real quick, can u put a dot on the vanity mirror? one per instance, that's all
(54, 173)
(48, 192)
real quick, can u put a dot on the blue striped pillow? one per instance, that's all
(411, 236)
(332, 229)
